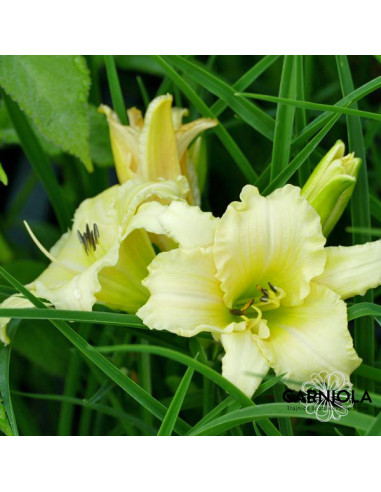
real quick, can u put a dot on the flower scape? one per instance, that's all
(258, 284)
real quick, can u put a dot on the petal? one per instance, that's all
(186, 297)
(310, 338)
(135, 118)
(158, 156)
(352, 270)
(189, 132)
(114, 272)
(124, 144)
(177, 117)
(243, 364)
(179, 221)
(275, 239)
(121, 285)
(13, 302)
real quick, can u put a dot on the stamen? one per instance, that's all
(242, 311)
(89, 239)
(45, 251)
(264, 299)
(273, 288)
(96, 233)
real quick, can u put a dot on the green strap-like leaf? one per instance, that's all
(221, 132)
(274, 410)
(375, 428)
(363, 309)
(119, 378)
(284, 118)
(174, 408)
(116, 91)
(5, 356)
(250, 113)
(39, 162)
(360, 210)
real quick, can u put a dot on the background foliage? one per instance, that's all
(51, 136)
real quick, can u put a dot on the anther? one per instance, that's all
(96, 233)
(273, 288)
(264, 299)
(89, 239)
(242, 311)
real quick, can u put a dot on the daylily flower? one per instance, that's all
(100, 259)
(330, 186)
(260, 280)
(156, 146)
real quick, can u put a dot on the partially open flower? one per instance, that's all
(155, 146)
(100, 259)
(261, 281)
(330, 186)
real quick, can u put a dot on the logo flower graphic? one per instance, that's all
(328, 395)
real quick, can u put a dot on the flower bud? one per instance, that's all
(330, 186)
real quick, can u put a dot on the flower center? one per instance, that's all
(267, 300)
(89, 239)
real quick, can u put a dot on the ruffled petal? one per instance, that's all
(113, 272)
(243, 364)
(158, 156)
(177, 117)
(189, 132)
(275, 239)
(186, 297)
(187, 225)
(124, 145)
(352, 270)
(13, 302)
(310, 338)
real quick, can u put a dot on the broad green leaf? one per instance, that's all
(8, 135)
(100, 147)
(52, 90)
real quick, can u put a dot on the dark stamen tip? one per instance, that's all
(235, 312)
(273, 288)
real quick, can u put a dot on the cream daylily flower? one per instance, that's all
(100, 259)
(156, 146)
(260, 280)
